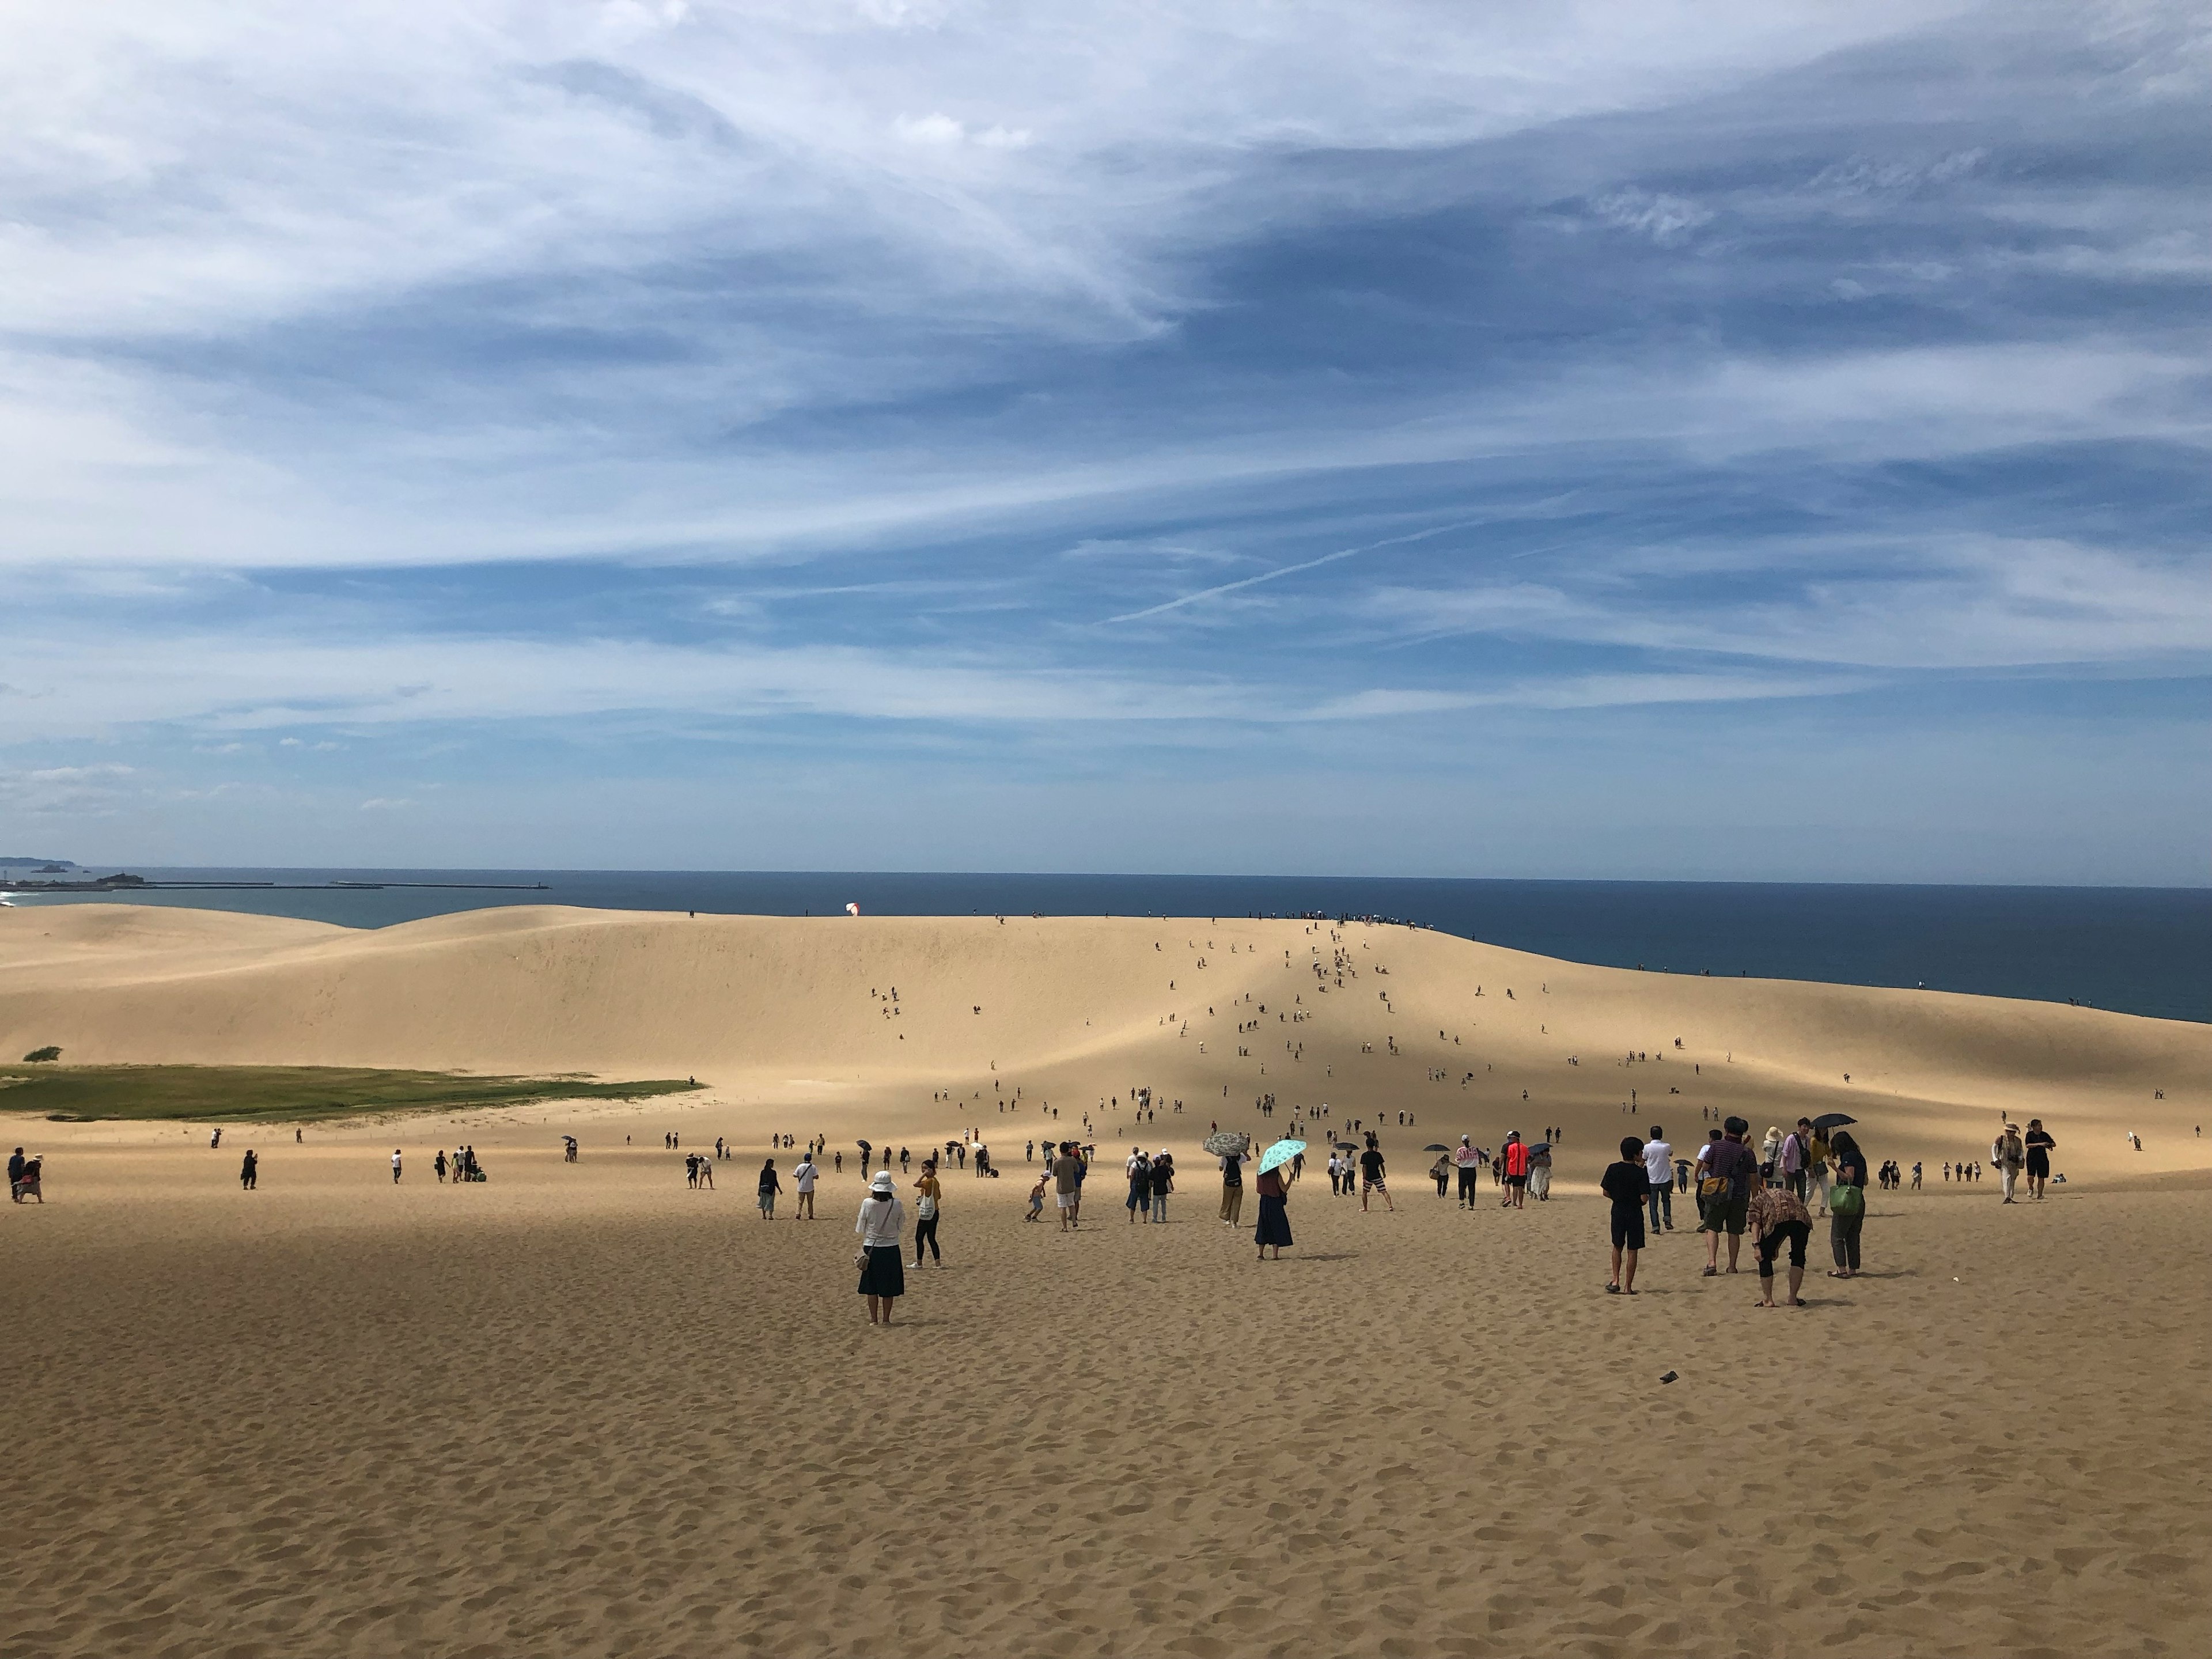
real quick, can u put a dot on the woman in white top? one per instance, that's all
(883, 1269)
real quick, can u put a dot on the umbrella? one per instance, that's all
(1347, 1146)
(866, 1147)
(1226, 1142)
(1833, 1119)
(1280, 1154)
(1436, 1146)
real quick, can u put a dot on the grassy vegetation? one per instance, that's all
(90, 1094)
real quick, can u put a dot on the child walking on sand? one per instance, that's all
(1036, 1199)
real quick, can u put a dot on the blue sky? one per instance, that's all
(1640, 440)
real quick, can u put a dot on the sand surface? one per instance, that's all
(584, 1409)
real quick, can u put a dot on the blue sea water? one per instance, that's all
(2141, 951)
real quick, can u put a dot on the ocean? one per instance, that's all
(2141, 951)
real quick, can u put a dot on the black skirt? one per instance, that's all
(1274, 1222)
(884, 1273)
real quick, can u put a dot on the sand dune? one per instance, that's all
(584, 1410)
(799, 1014)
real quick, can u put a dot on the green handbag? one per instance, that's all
(1847, 1201)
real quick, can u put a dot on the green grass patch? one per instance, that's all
(92, 1094)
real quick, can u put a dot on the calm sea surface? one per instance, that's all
(2144, 950)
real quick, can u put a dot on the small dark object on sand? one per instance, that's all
(1671, 1376)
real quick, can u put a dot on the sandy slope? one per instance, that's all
(584, 1410)
(795, 1016)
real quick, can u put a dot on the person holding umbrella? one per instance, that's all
(1232, 1149)
(1274, 1228)
(883, 1268)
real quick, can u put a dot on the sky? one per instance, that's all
(1650, 440)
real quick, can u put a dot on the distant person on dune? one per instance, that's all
(249, 1172)
(803, 1177)
(2009, 1153)
(395, 1166)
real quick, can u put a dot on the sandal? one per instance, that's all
(1612, 1289)
(1711, 1272)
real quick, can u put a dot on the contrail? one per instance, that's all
(1293, 569)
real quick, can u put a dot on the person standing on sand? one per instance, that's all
(1846, 1204)
(1630, 1188)
(883, 1262)
(2040, 1147)
(1274, 1228)
(1468, 1162)
(1796, 1151)
(1036, 1197)
(1540, 1171)
(249, 1172)
(803, 1177)
(438, 1164)
(1731, 1170)
(1777, 1217)
(925, 1212)
(769, 1187)
(1067, 1187)
(1232, 1187)
(2009, 1154)
(395, 1166)
(1659, 1174)
(1817, 1153)
(1515, 1157)
(16, 1162)
(1163, 1183)
(1371, 1174)
(1138, 1170)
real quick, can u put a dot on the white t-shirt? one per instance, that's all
(804, 1175)
(1658, 1162)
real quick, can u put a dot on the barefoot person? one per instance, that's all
(1724, 1193)
(1629, 1187)
(1370, 1174)
(1777, 1217)
(883, 1268)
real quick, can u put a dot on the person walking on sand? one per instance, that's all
(2009, 1153)
(1138, 1170)
(1232, 1187)
(804, 1175)
(1067, 1187)
(1846, 1204)
(395, 1166)
(1515, 1157)
(883, 1262)
(1796, 1151)
(1036, 1197)
(16, 1163)
(1629, 1187)
(1777, 1217)
(2039, 1146)
(249, 1172)
(928, 1193)
(1274, 1228)
(769, 1187)
(1659, 1172)
(438, 1164)
(1371, 1174)
(1441, 1173)
(1539, 1170)
(1724, 1193)
(1163, 1183)
(1468, 1160)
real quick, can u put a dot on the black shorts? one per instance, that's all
(1516, 1180)
(1628, 1228)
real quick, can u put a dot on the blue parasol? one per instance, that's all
(1280, 1154)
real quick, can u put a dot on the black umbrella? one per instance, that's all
(865, 1146)
(1436, 1146)
(1833, 1119)
(1347, 1146)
